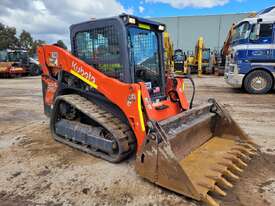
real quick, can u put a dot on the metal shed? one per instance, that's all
(185, 30)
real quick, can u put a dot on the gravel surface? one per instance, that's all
(36, 170)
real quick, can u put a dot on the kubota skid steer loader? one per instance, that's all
(111, 97)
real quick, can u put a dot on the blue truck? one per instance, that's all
(251, 60)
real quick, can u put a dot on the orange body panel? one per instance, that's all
(124, 95)
(51, 89)
(7, 68)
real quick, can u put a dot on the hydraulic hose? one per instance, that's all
(193, 86)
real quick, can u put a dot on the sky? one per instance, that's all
(49, 20)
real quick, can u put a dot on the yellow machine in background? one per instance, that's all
(190, 61)
(169, 53)
(200, 61)
(199, 48)
(193, 63)
(174, 59)
(179, 59)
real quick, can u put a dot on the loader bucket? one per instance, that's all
(198, 153)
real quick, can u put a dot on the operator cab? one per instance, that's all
(17, 56)
(126, 47)
(179, 59)
(205, 54)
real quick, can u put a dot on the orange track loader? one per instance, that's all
(112, 98)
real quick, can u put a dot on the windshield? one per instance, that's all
(241, 31)
(3, 56)
(265, 11)
(206, 54)
(17, 56)
(144, 57)
(178, 56)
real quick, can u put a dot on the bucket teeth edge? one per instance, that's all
(210, 201)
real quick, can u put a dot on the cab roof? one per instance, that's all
(122, 18)
(266, 15)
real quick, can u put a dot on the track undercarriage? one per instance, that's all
(82, 124)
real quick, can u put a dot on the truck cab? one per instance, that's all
(251, 60)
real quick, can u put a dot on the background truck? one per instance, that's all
(251, 60)
(14, 63)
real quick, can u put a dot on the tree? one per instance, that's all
(61, 44)
(25, 40)
(8, 39)
(35, 45)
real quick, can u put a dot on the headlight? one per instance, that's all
(132, 20)
(239, 61)
(161, 27)
(231, 68)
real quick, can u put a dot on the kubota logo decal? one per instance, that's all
(80, 70)
(85, 76)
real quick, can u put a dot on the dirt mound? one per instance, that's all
(256, 185)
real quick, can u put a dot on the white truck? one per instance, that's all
(251, 60)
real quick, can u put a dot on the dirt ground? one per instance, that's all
(36, 170)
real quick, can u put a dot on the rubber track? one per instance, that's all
(120, 131)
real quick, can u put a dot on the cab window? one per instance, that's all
(266, 30)
(3, 56)
(261, 33)
(241, 31)
(99, 47)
